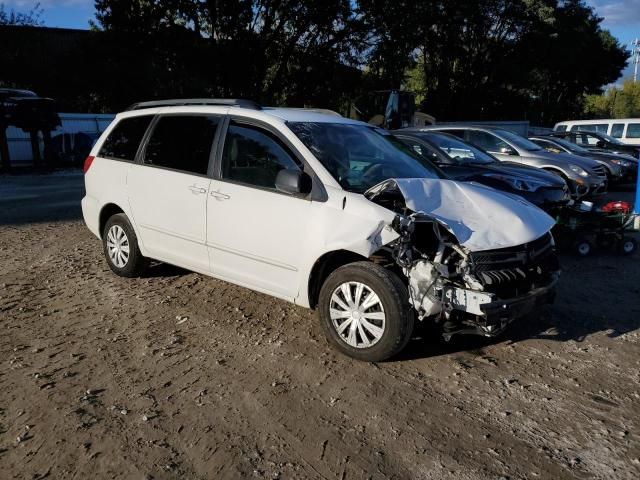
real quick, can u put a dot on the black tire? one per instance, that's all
(393, 295)
(627, 246)
(136, 263)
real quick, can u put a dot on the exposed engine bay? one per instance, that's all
(465, 291)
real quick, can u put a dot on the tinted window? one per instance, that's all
(633, 130)
(182, 142)
(124, 140)
(457, 133)
(560, 128)
(360, 156)
(518, 140)
(586, 139)
(487, 141)
(254, 156)
(617, 129)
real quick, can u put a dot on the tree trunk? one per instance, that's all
(49, 157)
(5, 161)
(35, 147)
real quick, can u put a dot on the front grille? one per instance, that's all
(514, 270)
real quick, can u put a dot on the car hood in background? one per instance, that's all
(528, 171)
(583, 162)
(480, 217)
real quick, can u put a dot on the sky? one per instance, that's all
(621, 17)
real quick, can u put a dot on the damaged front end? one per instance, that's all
(464, 290)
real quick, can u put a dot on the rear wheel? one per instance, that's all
(365, 311)
(121, 247)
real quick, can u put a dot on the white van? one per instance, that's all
(627, 130)
(319, 210)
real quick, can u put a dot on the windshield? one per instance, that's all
(518, 140)
(611, 139)
(572, 147)
(459, 150)
(359, 156)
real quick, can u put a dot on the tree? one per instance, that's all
(31, 18)
(262, 49)
(495, 59)
(616, 102)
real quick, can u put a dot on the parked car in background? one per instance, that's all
(583, 176)
(319, 210)
(599, 141)
(627, 130)
(464, 162)
(620, 168)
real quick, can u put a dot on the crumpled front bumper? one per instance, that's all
(490, 319)
(499, 314)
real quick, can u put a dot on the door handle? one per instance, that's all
(197, 189)
(220, 196)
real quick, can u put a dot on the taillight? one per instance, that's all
(87, 163)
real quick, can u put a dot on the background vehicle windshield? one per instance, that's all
(518, 141)
(572, 147)
(459, 150)
(611, 139)
(359, 156)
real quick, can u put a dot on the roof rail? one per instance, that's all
(227, 102)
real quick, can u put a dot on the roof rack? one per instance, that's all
(227, 102)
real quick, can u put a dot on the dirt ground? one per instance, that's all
(176, 375)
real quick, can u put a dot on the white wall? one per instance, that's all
(20, 143)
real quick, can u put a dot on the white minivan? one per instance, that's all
(319, 210)
(627, 130)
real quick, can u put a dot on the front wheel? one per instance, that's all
(365, 311)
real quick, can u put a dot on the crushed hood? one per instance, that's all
(481, 218)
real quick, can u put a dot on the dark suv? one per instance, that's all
(595, 141)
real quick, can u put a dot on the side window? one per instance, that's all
(182, 142)
(550, 147)
(124, 140)
(633, 130)
(254, 156)
(592, 127)
(561, 128)
(617, 129)
(486, 141)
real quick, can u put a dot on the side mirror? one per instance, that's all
(508, 151)
(293, 182)
(600, 144)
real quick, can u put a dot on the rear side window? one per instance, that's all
(486, 141)
(124, 140)
(560, 128)
(254, 156)
(592, 127)
(633, 130)
(616, 130)
(182, 142)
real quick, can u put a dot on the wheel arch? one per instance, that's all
(108, 211)
(331, 261)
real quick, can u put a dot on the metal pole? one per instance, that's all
(636, 59)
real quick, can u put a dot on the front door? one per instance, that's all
(168, 191)
(256, 235)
